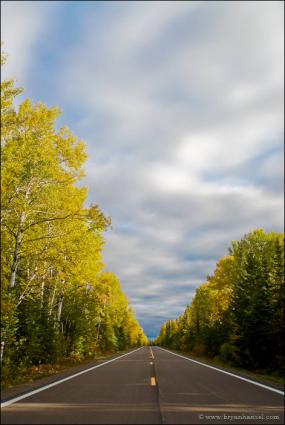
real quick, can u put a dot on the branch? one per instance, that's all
(42, 237)
(47, 220)
(9, 230)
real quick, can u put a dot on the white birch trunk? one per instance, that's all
(17, 247)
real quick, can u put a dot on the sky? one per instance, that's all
(181, 107)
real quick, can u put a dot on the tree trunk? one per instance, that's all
(43, 291)
(52, 302)
(59, 310)
(17, 247)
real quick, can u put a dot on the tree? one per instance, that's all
(56, 300)
(238, 314)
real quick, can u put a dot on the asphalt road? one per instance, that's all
(149, 386)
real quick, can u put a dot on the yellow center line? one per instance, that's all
(151, 353)
(152, 381)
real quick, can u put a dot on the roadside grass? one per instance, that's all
(24, 375)
(270, 377)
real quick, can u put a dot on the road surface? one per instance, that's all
(148, 386)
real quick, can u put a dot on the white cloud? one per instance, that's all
(182, 103)
(143, 22)
(23, 23)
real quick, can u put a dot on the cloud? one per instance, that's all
(23, 23)
(181, 105)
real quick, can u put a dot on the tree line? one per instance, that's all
(237, 315)
(56, 301)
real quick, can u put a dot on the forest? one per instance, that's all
(57, 301)
(237, 315)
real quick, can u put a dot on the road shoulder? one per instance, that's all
(243, 374)
(20, 389)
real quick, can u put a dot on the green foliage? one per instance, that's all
(56, 300)
(238, 314)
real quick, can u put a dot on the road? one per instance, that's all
(149, 386)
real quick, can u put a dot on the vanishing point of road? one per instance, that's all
(148, 385)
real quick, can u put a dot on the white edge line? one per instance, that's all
(38, 390)
(227, 373)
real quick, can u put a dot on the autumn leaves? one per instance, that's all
(57, 301)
